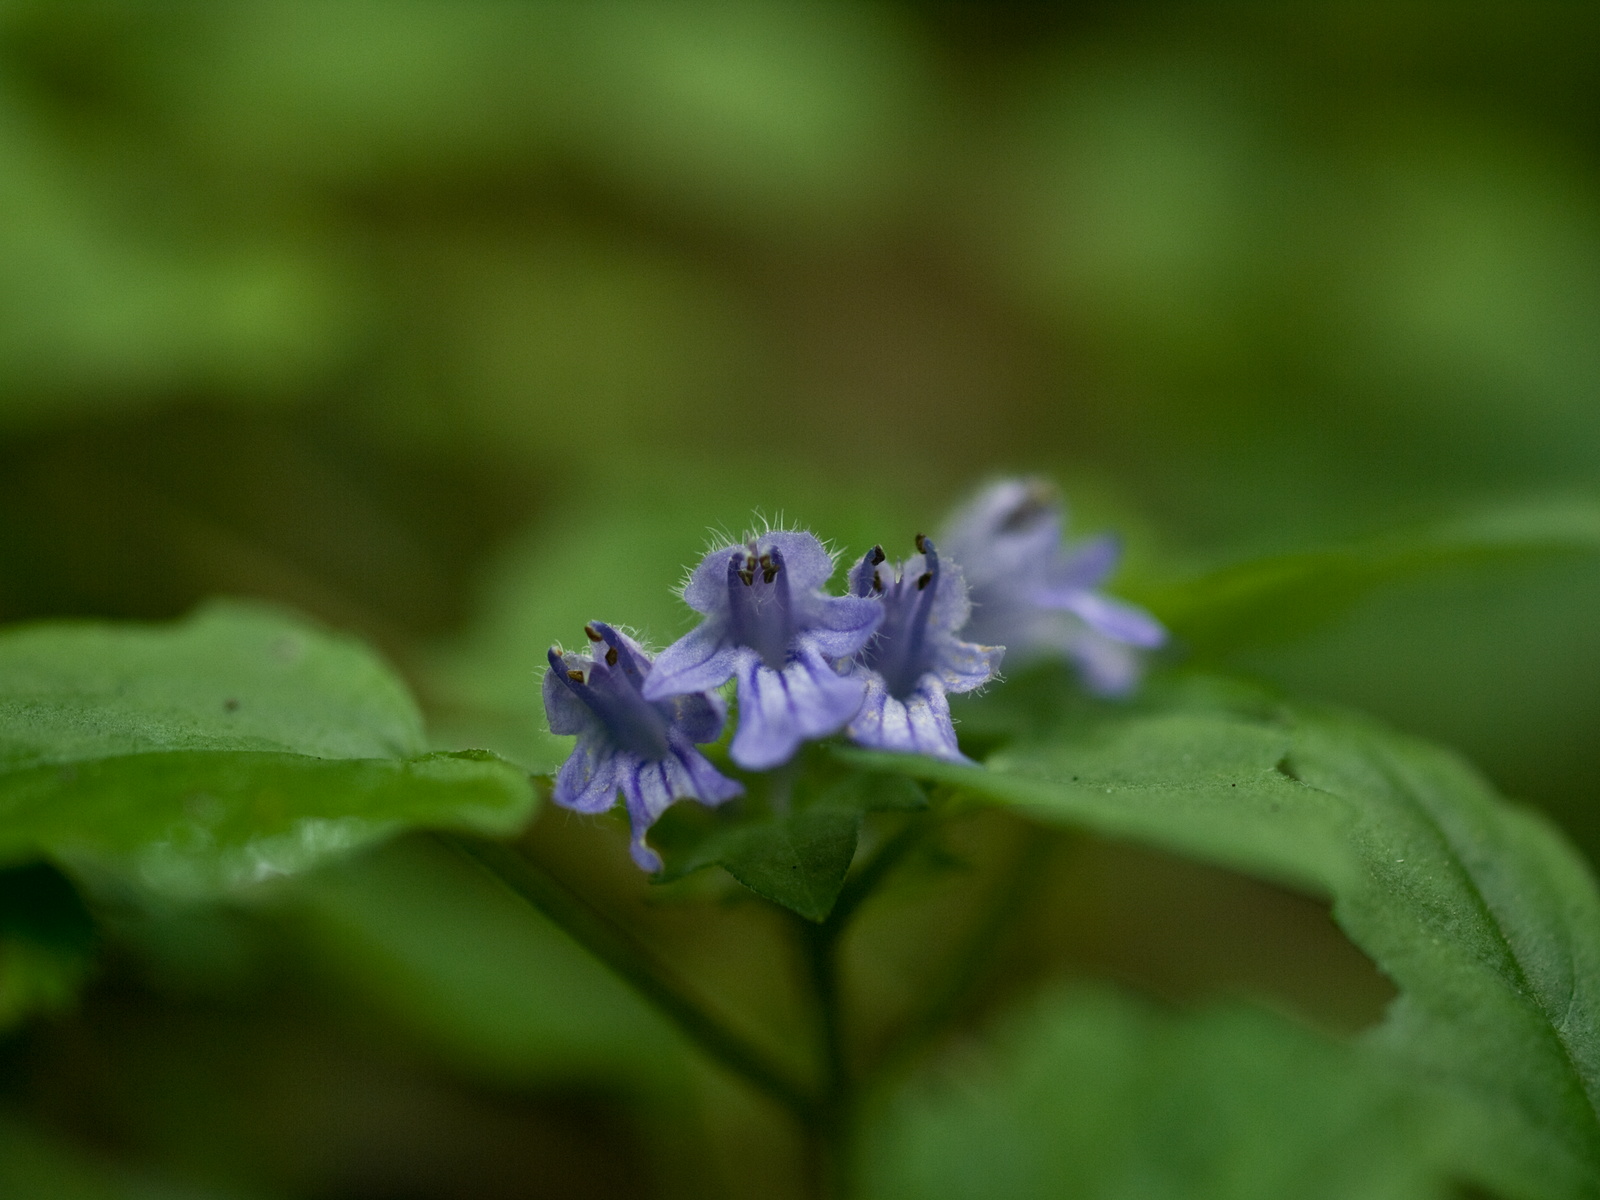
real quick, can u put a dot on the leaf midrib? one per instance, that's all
(1520, 979)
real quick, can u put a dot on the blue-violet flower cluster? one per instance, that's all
(1038, 594)
(644, 749)
(875, 664)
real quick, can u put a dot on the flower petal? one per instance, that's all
(1110, 668)
(1114, 619)
(564, 712)
(698, 716)
(650, 788)
(707, 589)
(698, 661)
(705, 783)
(1011, 526)
(841, 625)
(1086, 567)
(967, 666)
(588, 781)
(920, 724)
(780, 709)
(806, 558)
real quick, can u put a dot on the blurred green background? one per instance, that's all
(457, 324)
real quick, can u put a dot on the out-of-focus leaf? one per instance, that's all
(767, 111)
(33, 1164)
(1484, 918)
(97, 311)
(1282, 595)
(233, 746)
(430, 940)
(773, 112)
(1097, 1097)
(517, 337)
(47, 943)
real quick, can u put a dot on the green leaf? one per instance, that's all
(1278, 596)
(1481, 914)
(1095, 1096)
(798, 860)
(233, 746)
(795, 850)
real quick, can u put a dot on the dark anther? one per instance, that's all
(591, 633)
(575, 676)
(769, 572)
(922, 543)
(611, 657)
(877, 583)
(924, 580)
(747, 576)
(877, 555)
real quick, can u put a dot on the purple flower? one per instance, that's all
(642, 748)
(768, 623)
(1037, 595)
(916, 657)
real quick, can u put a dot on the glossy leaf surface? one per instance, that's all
(233, 746)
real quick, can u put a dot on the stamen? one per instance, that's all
(590, 632)
(877, 555)
(611, 657)
(922, 543)
(575, 676)
(924, 580)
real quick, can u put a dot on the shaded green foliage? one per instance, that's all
(459, 325)
(1480, 913)
(234, 747)
(793, 838)
(1274, 598)
(424, 938)
(47, 943)
(1093, 1095)
(32, 1164)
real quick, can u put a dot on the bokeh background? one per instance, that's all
(457, 324)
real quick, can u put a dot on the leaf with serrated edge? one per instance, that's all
(1482, 915)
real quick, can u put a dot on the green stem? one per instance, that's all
(1024, 873)
(831, 1127)
(865, 881)
(830, 1133)
(631, 960)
